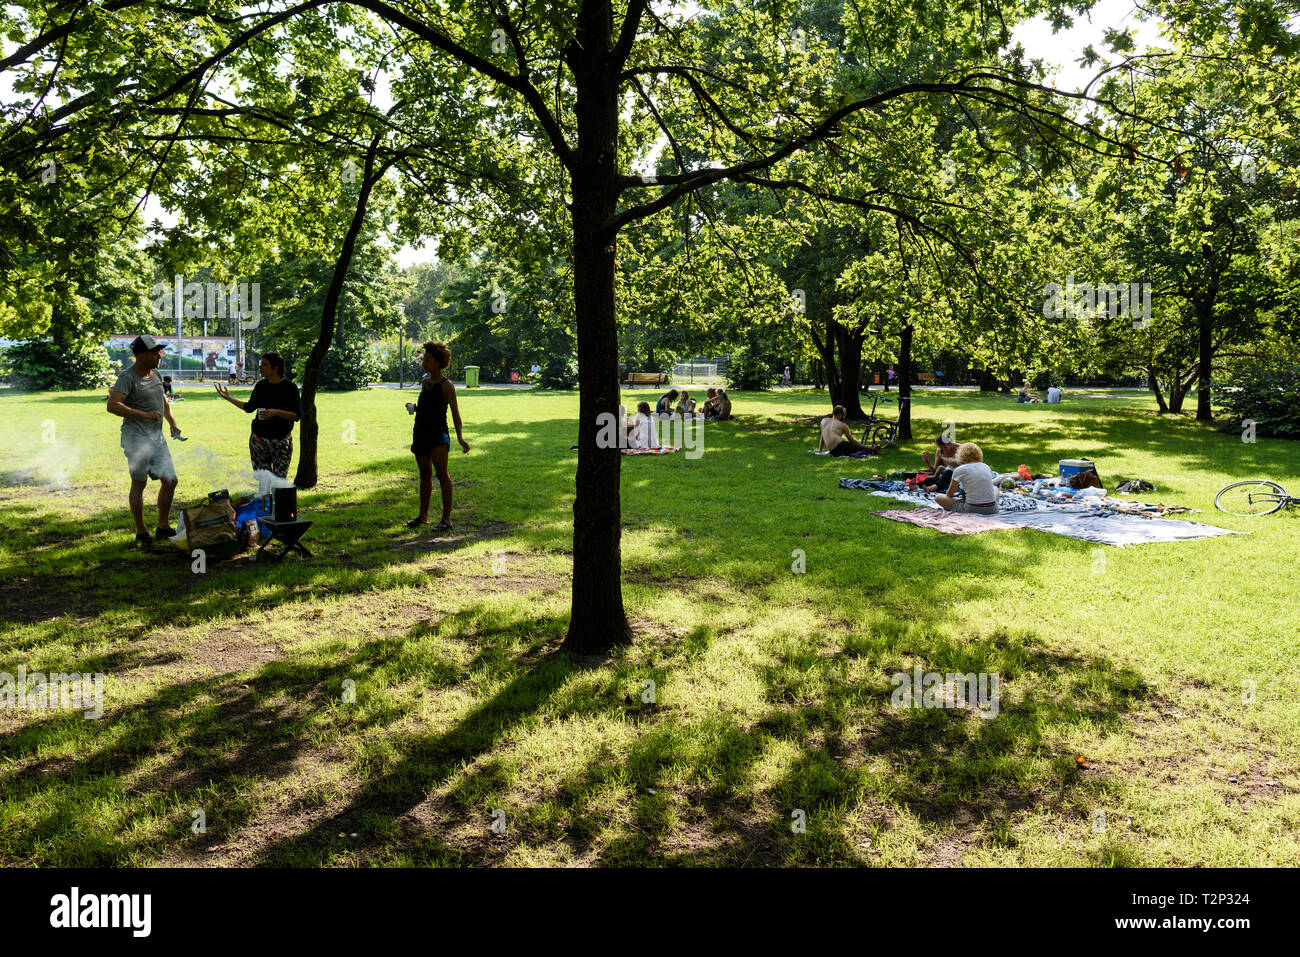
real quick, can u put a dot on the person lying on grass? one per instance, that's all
(836, 436)
(975, 479)
(430, 440)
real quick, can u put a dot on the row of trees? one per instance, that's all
(812, 172)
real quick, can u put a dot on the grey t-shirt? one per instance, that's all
(976, 479)
(145, 395)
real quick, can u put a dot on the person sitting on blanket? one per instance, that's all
(642, 432)
(724, 404)
(1025, 395)
(686, 406)
(836, 436)
(945, 460)
(975, 479)
(944, 455)
(665, 404)
(710, 406)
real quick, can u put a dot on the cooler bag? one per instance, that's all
(211, 527)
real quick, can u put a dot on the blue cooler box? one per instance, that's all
(255, 509)
(1070, 467)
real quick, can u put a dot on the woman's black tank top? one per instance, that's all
(431, 410)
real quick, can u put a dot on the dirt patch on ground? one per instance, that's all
(227, 651)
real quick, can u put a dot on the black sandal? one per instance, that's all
(415, 523)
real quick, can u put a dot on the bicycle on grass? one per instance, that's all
(878, 430)
(1254, 497)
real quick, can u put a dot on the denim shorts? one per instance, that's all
(423, 445)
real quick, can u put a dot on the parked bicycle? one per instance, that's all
(879, 430)
(1254, 497)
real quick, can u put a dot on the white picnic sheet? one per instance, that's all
(1079, 521)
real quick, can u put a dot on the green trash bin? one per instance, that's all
(471, 377)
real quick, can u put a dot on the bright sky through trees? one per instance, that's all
(1061, 49)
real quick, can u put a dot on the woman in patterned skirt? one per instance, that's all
(275, 399)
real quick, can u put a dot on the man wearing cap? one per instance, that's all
(137, 396)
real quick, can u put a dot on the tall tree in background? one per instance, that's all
(1197, 229)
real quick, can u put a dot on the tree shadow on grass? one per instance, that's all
(860, 765)
(227, 733)
(217, 742)
(847, 755)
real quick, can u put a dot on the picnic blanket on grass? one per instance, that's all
(953, 523)
(662, 450)
(1074, 520)
(1110, 529)
(847, 458)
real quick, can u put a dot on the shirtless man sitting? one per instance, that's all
(836, 436)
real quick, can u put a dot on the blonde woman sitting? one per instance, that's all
(975, 479)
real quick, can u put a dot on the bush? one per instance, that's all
(41, 364)
(1041, 379)
(354, 365)
(403, 369)
(752, 371)
(1270, 397)
(559, 372)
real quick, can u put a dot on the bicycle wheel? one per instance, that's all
(1255, 497)
(884, 435)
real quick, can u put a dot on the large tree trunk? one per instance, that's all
(1154, 382)
(848, 390)
(987, 381)
(309, 425)
(1206, 351)
(905, 384)
(826, 349)
(1179, 388)
(597, 621)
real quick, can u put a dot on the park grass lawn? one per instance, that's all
(225, 691)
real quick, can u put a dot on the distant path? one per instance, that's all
(459, 385)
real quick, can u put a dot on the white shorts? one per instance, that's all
(148, 459)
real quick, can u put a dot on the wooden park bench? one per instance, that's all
(928, 378)
(645, 378)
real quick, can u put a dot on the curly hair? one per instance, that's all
(969, 452)
(440, 353)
